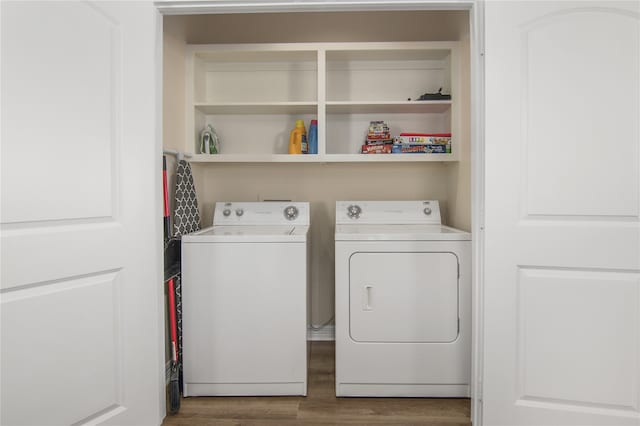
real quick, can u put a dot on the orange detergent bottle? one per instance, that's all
(298, 139)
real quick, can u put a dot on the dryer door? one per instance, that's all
(403, 297)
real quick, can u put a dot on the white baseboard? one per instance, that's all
(326, 333)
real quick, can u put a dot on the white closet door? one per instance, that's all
(81, 289)
(562, 283)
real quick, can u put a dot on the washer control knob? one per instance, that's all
(290, 212)
(239, 212)
(427, 210)
(353, 211)
(226, 212)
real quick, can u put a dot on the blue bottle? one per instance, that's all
(313, 137)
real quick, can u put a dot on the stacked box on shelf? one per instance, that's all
(422, 143)
(379, 140)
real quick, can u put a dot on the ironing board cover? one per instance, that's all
(186, 219)
(186, 216)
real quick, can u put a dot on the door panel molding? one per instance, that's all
(56, 316)
(86, 120)
(578, 333)
(562, 68)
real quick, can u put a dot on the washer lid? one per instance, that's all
(400, 233)
(239, 233)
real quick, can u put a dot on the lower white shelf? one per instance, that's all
(321, 158)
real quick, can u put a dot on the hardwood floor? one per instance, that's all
(321, 407)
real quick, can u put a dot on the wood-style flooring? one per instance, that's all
(320, 406)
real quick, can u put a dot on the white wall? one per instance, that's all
(173, 93)
(459, 174)
(321, 184)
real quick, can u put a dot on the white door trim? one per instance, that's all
(159, 201)
(477, 207)
(476, 16)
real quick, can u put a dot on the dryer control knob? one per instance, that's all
(290, 212)
(353, 211)
(427, 210)
(226, 212)
(239, 212)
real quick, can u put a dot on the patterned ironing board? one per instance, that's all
(186, 218)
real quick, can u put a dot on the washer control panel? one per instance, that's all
(425, 212)
(261, 213)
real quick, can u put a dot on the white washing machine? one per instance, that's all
(403, 301)
(244, 301)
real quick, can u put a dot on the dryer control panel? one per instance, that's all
(261, 213)
(425, 212)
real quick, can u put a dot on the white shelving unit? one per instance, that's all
(252, 94)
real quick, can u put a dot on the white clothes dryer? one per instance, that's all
(244, 296)
(403, 301)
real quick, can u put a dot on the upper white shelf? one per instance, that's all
(366, 107)
(332, 107)
(318, 158)
(254, 53)
(364, 52)
(258, 108)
